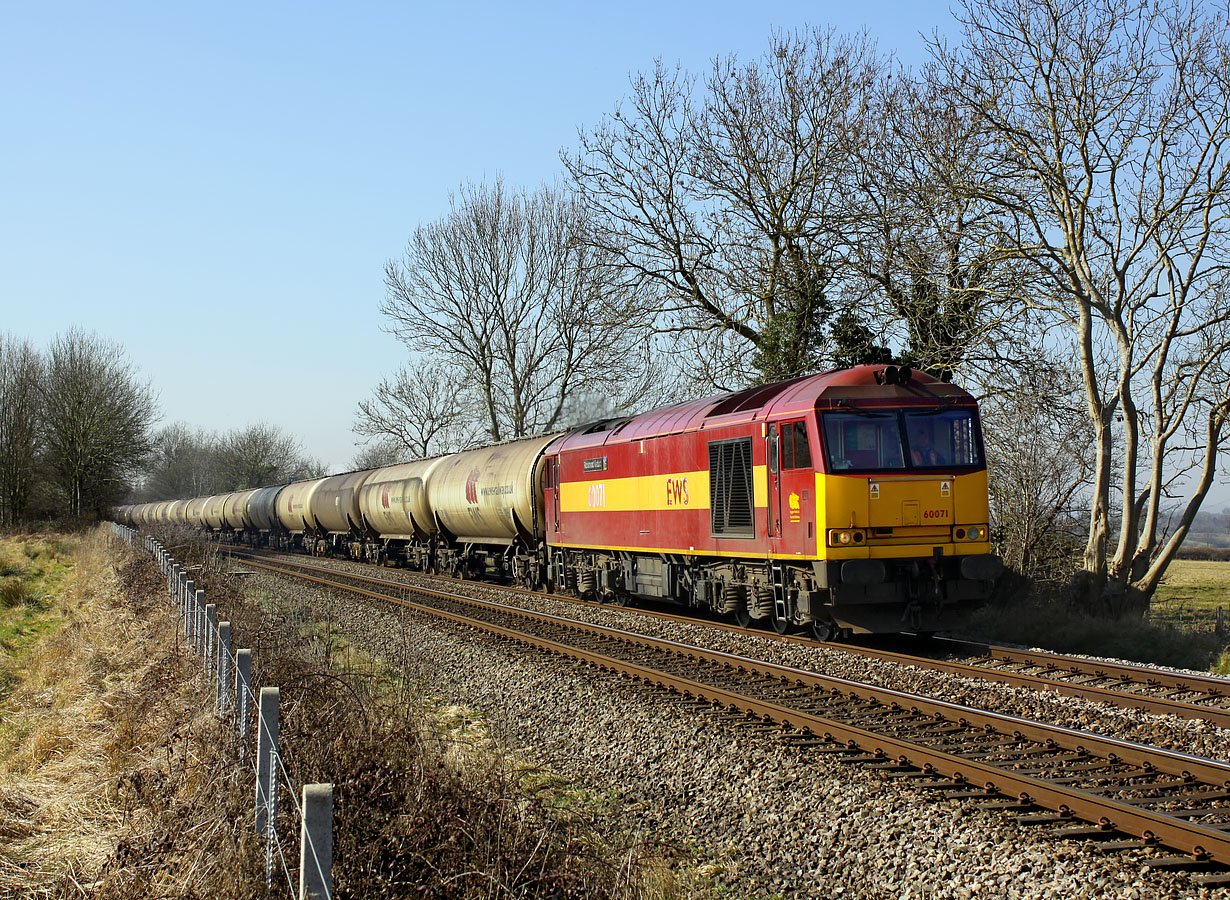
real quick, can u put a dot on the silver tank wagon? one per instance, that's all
(492, 495)
(335, 503)
(394, 503)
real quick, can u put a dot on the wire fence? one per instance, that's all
(228, 673)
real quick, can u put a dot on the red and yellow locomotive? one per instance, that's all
(850, 501)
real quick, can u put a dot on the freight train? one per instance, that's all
(852, 501)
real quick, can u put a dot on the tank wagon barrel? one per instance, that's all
(333, 507)
(488, 504)
(394, 506)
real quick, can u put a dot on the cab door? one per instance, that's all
(553, 492)
(773, 520)
(796, 490)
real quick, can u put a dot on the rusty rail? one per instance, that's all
(1120, 683)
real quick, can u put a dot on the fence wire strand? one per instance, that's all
(211, 637)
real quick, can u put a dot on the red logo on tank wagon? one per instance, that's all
(384, 498)
(472, 487)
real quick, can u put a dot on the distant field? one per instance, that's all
(1191, 593)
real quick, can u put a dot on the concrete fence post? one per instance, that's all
(173, 581)
(224, 666)
(266, 747)
(198, 622)
(316, 843)
(271, 823)
(211, 636)
(196, 607)
(243, 695)
(185, 606)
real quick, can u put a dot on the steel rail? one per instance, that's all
(1109, 813)
(1212, 685)
(1124, 697)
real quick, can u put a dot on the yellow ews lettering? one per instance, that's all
(676, 492)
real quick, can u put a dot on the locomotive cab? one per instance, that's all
(905, 542)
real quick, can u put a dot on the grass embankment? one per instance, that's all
(117, 781)
(428, 804)
(33, 572)
(92, 692)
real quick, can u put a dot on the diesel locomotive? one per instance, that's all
(852, 501)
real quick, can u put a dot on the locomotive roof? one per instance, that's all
(858, 386)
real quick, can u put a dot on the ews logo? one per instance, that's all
(676, 492)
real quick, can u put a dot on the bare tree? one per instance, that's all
(262, 455)
(21, 374)
(97, 417)
(427, 408)
(1106, 124)
(503, 291)
(380, 453)
(727, 205)
(925, 248)
(1037, 440)
(184, 463)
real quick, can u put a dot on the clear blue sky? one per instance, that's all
(217, 186)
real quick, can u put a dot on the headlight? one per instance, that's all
(845, 537)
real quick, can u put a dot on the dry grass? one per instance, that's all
(87, 720)
(116, 782)
(428, 803)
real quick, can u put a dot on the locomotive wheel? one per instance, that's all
(742, 617)
(622, 598)
(780, 625)
(822, 631)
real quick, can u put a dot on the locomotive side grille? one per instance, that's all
(730, 487)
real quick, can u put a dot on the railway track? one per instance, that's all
(1122, 795)
(1184, 695)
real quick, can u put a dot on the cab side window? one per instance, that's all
(795, 452)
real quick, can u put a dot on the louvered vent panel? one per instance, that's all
(730, 487)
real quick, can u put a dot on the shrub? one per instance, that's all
(1025, 617)
(14, 592)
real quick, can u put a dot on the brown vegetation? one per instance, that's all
(120, 781)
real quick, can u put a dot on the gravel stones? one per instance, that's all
(772, 818)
